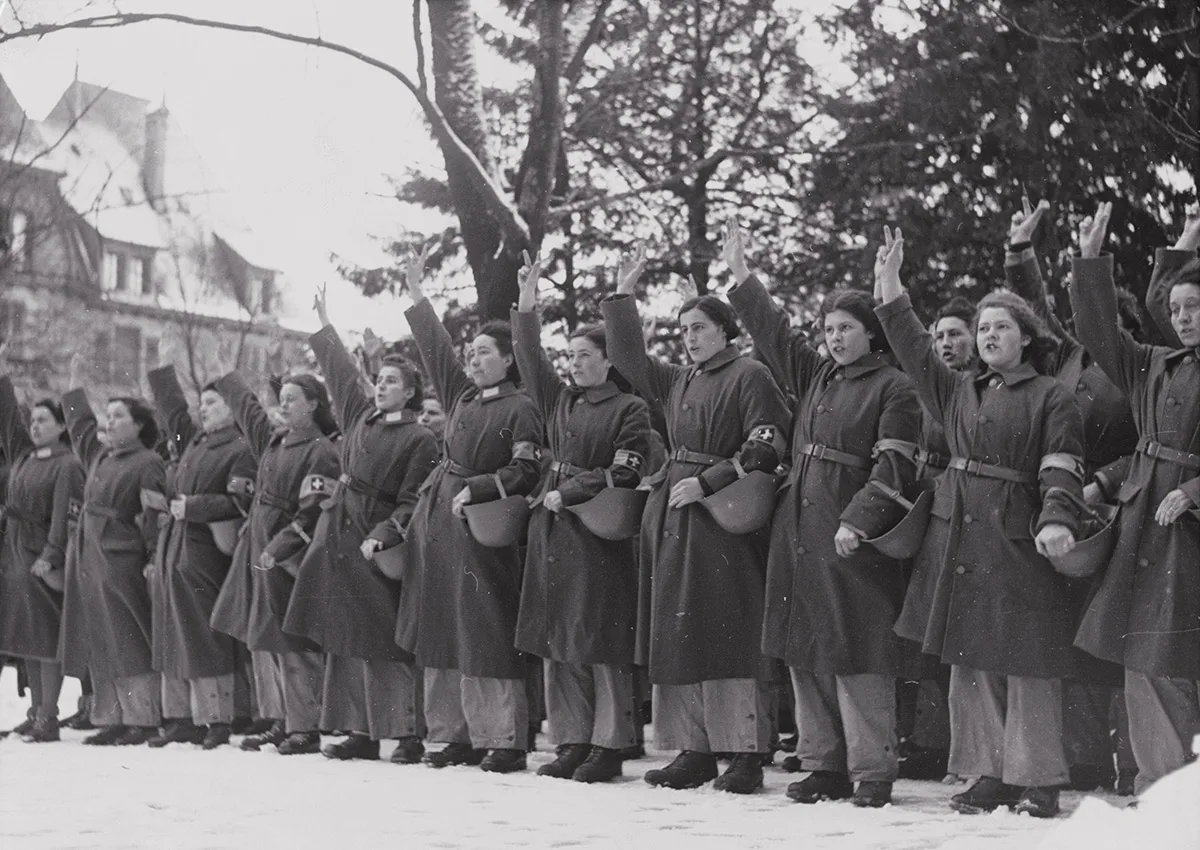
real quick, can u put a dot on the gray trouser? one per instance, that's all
(379, 698)
(847, 724)
(590, 704)
(717, 716)
(131, 701)
(1007, 727)
(1091, 715)
(205, 700)
(1164, 717)
(289, 687)
(488, 714)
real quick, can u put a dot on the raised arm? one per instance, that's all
(538, 375)
(1023, 273)
(172, 405)
(14, 436)
(247, 412)
(910, 342)
(81, 420)
(433, 340)
(341, 377)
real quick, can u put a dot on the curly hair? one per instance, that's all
(143, 416)
(861, 306)
(412, 378)
(314, 391)
(1043, 345)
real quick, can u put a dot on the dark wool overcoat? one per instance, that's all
(579, 594)
(981, 596)
(42, 499)
(106, 606)
(253, 602)
(460, 599)
(706, 592)
(825, 613)
(1145, 613)
(342, 601)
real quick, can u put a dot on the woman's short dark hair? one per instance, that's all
(1129, 314)
(314, 390)
(595, 334)
(412, 378)
(956, 308)
(861, 306)
(718, 311)
(143, 415)
(501, 331)
(55, 410)
(1043, 345)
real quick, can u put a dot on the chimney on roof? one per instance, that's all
(154, 156)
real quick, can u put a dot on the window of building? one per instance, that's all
(127, 354)
(152, 352)
(266, 297)
(141, 275)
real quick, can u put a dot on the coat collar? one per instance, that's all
(219, 437)
(722, 358)
(296, 436)
(500, 390)
(598, 393)
(53, 450)
(1011, 378)
(864, 365)
(394, 417)
(1180, 354)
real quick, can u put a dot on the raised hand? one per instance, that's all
(888, 259)
(77, 370)
(733, 251)
(1189, 240)
(321, 305)
(527, 282)
(1023, 224)
(629, 270)
(415, 270)
(690, 289)
(1092, 231)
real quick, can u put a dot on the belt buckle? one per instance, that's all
(974, 466)
(1154, 449)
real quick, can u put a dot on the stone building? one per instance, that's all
(117, 242)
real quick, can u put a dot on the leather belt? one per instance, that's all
(359, 486)
(457, 468)
(933, 459)
(10, 512)
(1160, 452)
(987, 470)
(278, 502)
(689, 456)
(102, 511)
(834, 456)
(567, 470)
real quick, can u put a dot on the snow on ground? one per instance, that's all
(60, 796)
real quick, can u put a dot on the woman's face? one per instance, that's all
(1184, 302)
(121, 429)
(486, 366)
(432, 416)
(702, 336)
(295, 409)
(952, 342)
(589, 366)
(846, 338)
(44, 429)
(214, 412)
(391, 390)
(1001, 343)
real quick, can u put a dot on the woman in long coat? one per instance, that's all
(342, 601)
(998, 612)
(1146, 609)
(197, 662)
(707, 584)
(458, 612)
(288, 670)
(43, 493)
(579, 593)
(832, 601)
(106, 609)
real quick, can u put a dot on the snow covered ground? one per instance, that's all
(60, 796)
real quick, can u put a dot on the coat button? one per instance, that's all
(805, 502)
(968, 519)
(1171, 402)
(960, 569)
(687, 407)
(1143, 562)
(1081, 386)
(838, 376)
(801, 550)
(983, 420)
(820, 408)
(550, 559)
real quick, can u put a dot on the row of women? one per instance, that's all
(370, 606)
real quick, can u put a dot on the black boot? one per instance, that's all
(637, 751)
(300, 744)
(81, 720)
(602, 765)
(273, 736)
(23, 727)
(357, 746)
(248, 726)
(216, 736)
(409, 750)
(503, 761)
(1038, 803)
(176, 731)
(872, 795)
(106, 737)
(570, 757)
(44, 731)
(821, 785)
(453, 754)
(135, 735)
(791, 764)
(986, 795)
(743, 776)
(1126, 779)
(689, 770)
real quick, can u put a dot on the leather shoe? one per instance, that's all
(821, 785)
(689, 770)
(454, 754)
(570, 757)
(216, 736)
(743, 776)
(275, 736)
(1038, 803)
(106, 737)
(503, 761)
(409, 750)
(44, 731)
(872, 795)
(601, 765)
(986, 795)
(357, 746)
(299, 744)
(176, 731)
